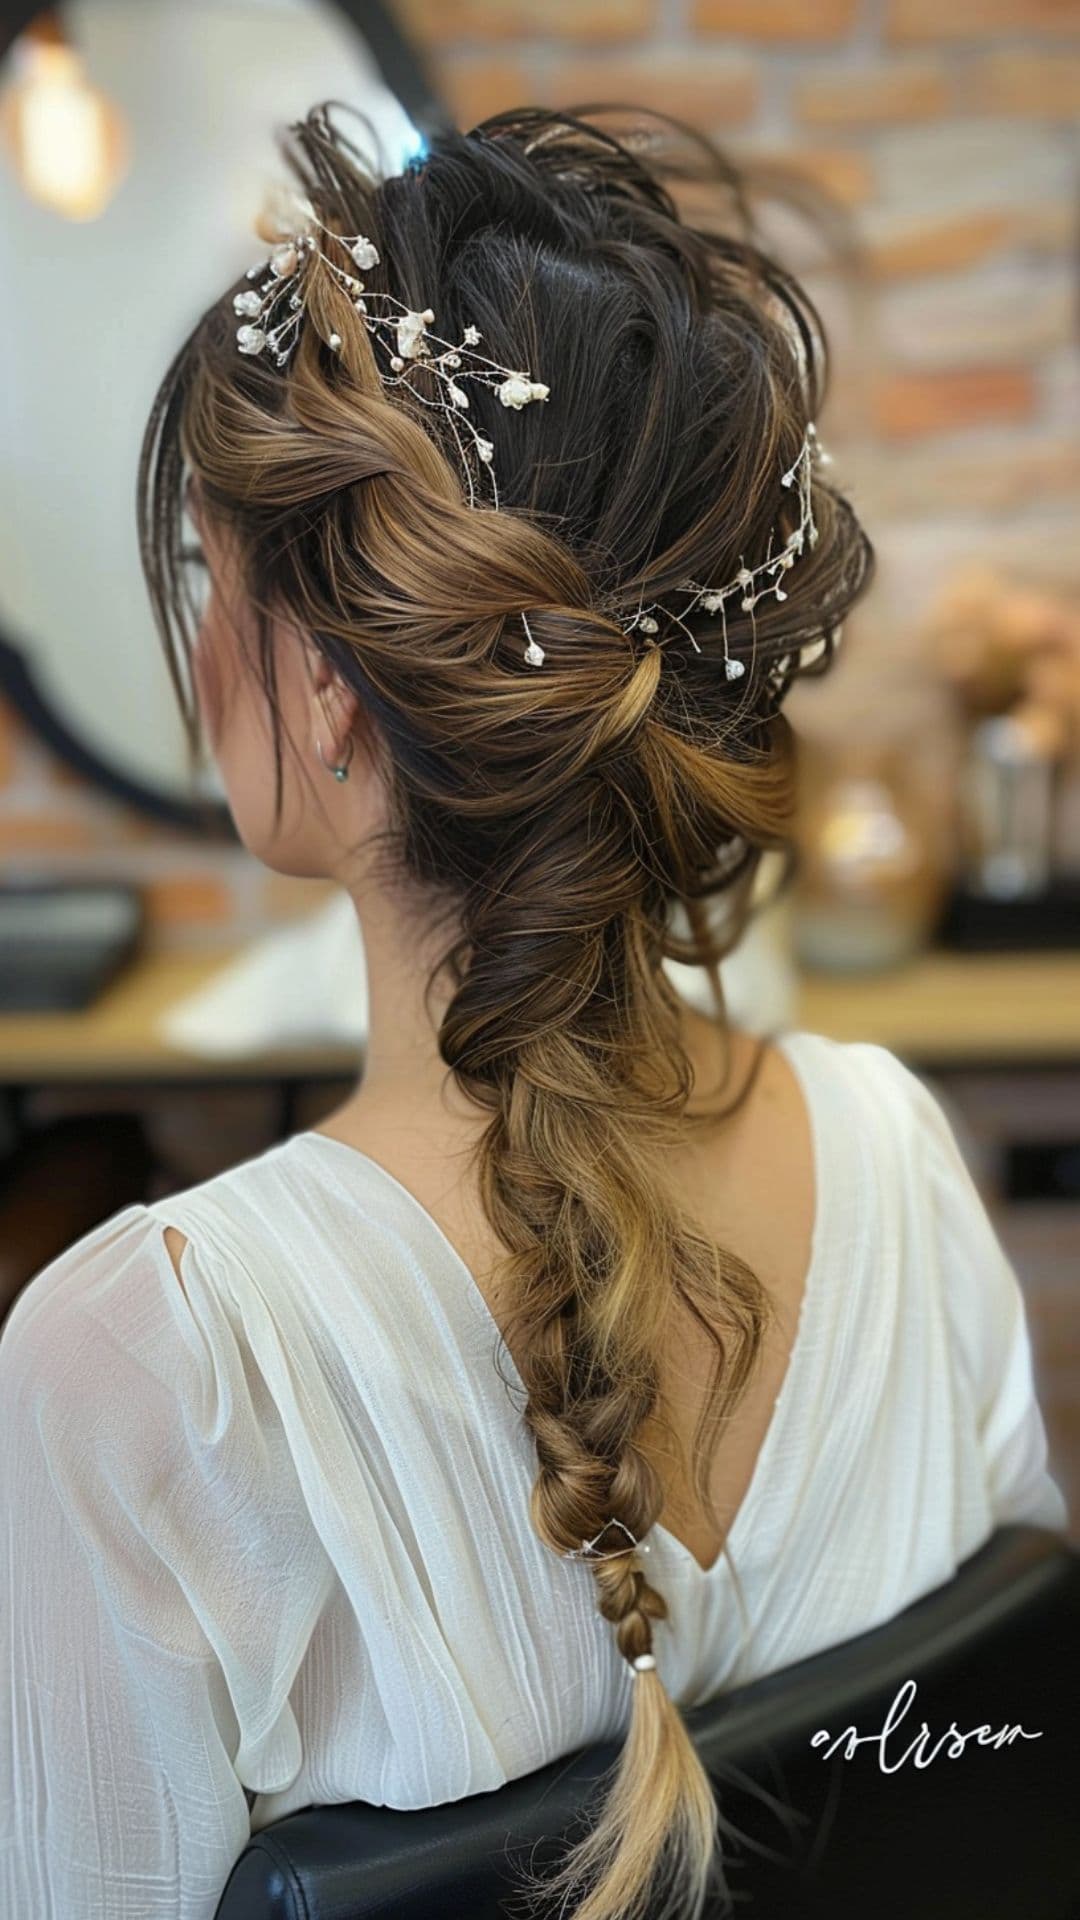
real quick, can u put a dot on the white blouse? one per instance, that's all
(266, 1541)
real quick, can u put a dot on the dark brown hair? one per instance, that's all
(571, 815)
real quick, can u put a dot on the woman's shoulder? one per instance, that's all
(140, 1320)
(890, 1093)
(78, 1282)
(136, 1402)
(927, 1201)
(858, 1061)
(113, 1287)
(892, 1138)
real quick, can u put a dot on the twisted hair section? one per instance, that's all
(567, 819)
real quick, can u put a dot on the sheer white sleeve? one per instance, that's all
(988, 1319)
(158, 1585)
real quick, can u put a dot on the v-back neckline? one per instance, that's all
(790, 1044)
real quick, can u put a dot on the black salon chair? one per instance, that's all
(992, 1832)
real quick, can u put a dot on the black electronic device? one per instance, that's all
(61, 943)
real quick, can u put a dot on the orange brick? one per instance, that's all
(185, 899)
(476, 88)
(695, 201)
(908, 406)
(1004, 313)
(22, 833)
(896, 252)
(972, 162)
(1049, 227)
(861, 96)
(1026, 82)
(710, 91)
(842, 173)
(776, 19)
(600, 21)
(939, 246)
(929, 482)
(923, 20)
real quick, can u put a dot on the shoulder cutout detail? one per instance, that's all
(176, 1242)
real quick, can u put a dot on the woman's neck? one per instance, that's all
(407, 1085)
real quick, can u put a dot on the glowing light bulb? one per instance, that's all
(66, 140)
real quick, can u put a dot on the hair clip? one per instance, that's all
(273, 311)
(585, 1552)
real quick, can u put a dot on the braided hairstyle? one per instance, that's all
(576, 817)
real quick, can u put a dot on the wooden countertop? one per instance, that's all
(944, 1006)
(117, 1037)
(985, 1008)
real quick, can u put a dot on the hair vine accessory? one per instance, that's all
(750, 583)
(272, 314)
(644, 1662)
(586, 1549)
(770, 572)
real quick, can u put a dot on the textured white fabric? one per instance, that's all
(270, 1542)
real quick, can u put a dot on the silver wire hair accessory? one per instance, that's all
(751, 583)
(586, 1549)
(272, 314)
(644, 1662)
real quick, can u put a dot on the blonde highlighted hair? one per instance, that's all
(570, 815)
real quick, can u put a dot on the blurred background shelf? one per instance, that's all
(941, 1009)
(948, 1008)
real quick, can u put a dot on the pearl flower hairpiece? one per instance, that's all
(272, 313)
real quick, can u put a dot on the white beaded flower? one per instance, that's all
(410, 333)
(519, 390)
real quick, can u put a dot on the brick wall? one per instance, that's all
(948, 133)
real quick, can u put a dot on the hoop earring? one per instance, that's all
(341, 772)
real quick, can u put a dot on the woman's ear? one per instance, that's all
(334, 705)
